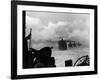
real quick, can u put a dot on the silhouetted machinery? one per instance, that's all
(40, 58)
(68, 62)
(33, 58)
(43, 58)
(82, 61)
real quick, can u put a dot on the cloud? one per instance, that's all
(54, 30)
(80, 36)
(77, 30)
(36, 26)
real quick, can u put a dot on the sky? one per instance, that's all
(54, 25)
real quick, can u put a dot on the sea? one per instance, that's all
(61, 56)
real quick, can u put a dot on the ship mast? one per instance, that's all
(30, 46)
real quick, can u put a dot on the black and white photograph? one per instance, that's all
(53, 39)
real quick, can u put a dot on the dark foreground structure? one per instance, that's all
(68, 63)
(39, 58)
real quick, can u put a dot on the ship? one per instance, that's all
(62, 44)
(66, 44)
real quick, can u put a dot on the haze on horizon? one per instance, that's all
(51, 26)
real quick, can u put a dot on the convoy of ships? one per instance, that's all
(66, 44)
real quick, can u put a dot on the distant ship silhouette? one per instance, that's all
(62, 44)
(65, 44)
